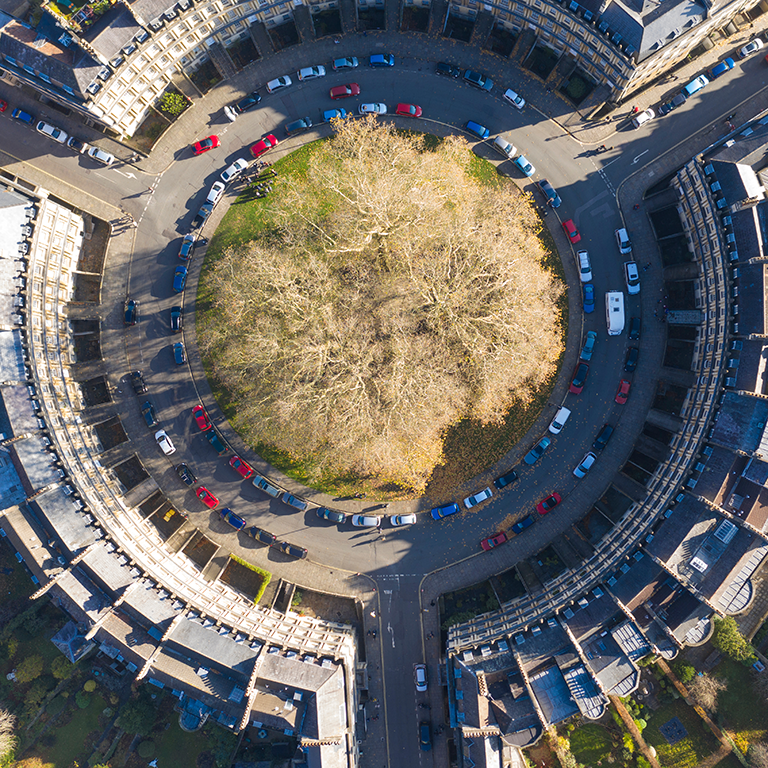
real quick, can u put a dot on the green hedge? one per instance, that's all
(266, 576)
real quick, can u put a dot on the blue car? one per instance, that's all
(329, 114)
(479, 80)
(444, 511)
(179, 278)
(215, 441)
(25, 117)
(179, 355)
(549, 192)
(523, 164)
(479, 130)
(721, 68)
(589, 298)
(228, 516)
(382, 60)
(523, 524)
(537, 451)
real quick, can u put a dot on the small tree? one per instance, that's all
(704, 690)
(757, 756)
(729, 641)
(29, 669)
(137, 717)
(173, 103)
(61, 667)
(90, 686)
(684, 671)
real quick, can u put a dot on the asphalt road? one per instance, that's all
(396, 559)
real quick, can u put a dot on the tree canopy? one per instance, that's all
(388, 295)
(728, 640)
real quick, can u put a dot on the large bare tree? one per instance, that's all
(387, 296)
(704, 690)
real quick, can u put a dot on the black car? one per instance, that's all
(249, 102)
(215, 440)
(292, 550)
(177, 320)
(148, 412)
(549, 192)
(425, 736)
(331, 514)
(447, 70)
(202, 215)
(665, 108)
(76, 144)
(131, 312)
(634, 329)
(186, 474)
(631, 362)
(138, 383)
(603, 436)
(265, 537)
(504, 480)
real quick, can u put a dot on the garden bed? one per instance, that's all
(321, 605)
(130, 473)
(200, 550)
(465, 604)
(245, 578)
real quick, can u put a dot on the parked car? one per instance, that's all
(25, 117)
(643, 117)
(373, 109)
(494, 541)
(579, 378)
(347, 62)
(721, 68)
(420, 677)
(425, 736)
(241, 467)
(206, 497)
(382, 60)
(202, 215)
(105, 158)
(549, 192)
(623, 392)
(589, 298)
(177, 319)
(585, 465)
(398, 521)
(264, 145)
(537, 451)
(589, 346)
(366, 521)
(479, 130)
(504, 147)
(138, 383)
(297, 126)
(228, 516)
(623, 241)
(630, 363)
(585, 266)
(560, 419)
(249, 102)
(262, 536)
(186, 474)
(295, 502)
(205, 145)
(264, 485)
(279, 82)
(148, 412)
(478, 498)
(52, 131)
(331, 514)
(447, 70)
(201, 418)
(179, 353)
(234, 170)
(212, 436)
(752, 47)
(329, 114)
(131, 312)
(179, 278)
(522, 163)
(572, 232)
(698, 83)
(187, 246)
(292, 550)
(77, 145)
(310, 73)
(215, 193)
(510, 96)
(634, 329)
(478, 80)
(447, 509)
(408, 110)
(521, 525)
(632, 277)
(344, 91)
(165, 443)
(504, 480)
(549, 503)
(603, 436)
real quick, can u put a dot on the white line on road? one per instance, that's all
(128, 174)
(637, 159)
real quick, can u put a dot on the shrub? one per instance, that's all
(61, 667)
(29, 669)
(11, 647)
(90, 686)
(146, 749)
(729, 641)
(82, 699)
(173, 104)
(56, 705)
(684, 671)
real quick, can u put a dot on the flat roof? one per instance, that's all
(18, 406)
(67, 522)
(34, 463)
(552, 693)
(107, 568)
(153, 607)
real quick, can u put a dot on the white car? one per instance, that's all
(557, 424)
(217, 190)
(750, 48)
(310, 73)
(234, 170)
(397, 520)
(477, 498)
(514, 99)
(585, 465)
(55, 133)
(165, 442)
(373, 109)
(643, 117)
(366, 521)
(348, 62)
(420, 677)
(585, 266)
(101, 156)
(279, 82)
(632, 276)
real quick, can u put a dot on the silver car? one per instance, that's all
(478, 498)
(366, 521)
(279, 82)
(165, 442)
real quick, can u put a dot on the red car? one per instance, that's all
(623, 393)
(241, 467)
(201, 417)
(579, 378)
(205, 145)
(206, 497)
(408, 110)
(549, 503)
(571, 231)
(3, 105)
(345, 91)
(267, 143)
(493, 541)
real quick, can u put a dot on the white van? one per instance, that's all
(559, 421)
(502, 145)
(614, 312)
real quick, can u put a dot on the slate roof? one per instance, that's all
(719, 472)
(751, 286)
(112, 31)
(739, 423)
(149, 10)
(751, 357)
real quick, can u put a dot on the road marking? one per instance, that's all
(637, 159)
(129, 174)
(392, 633)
